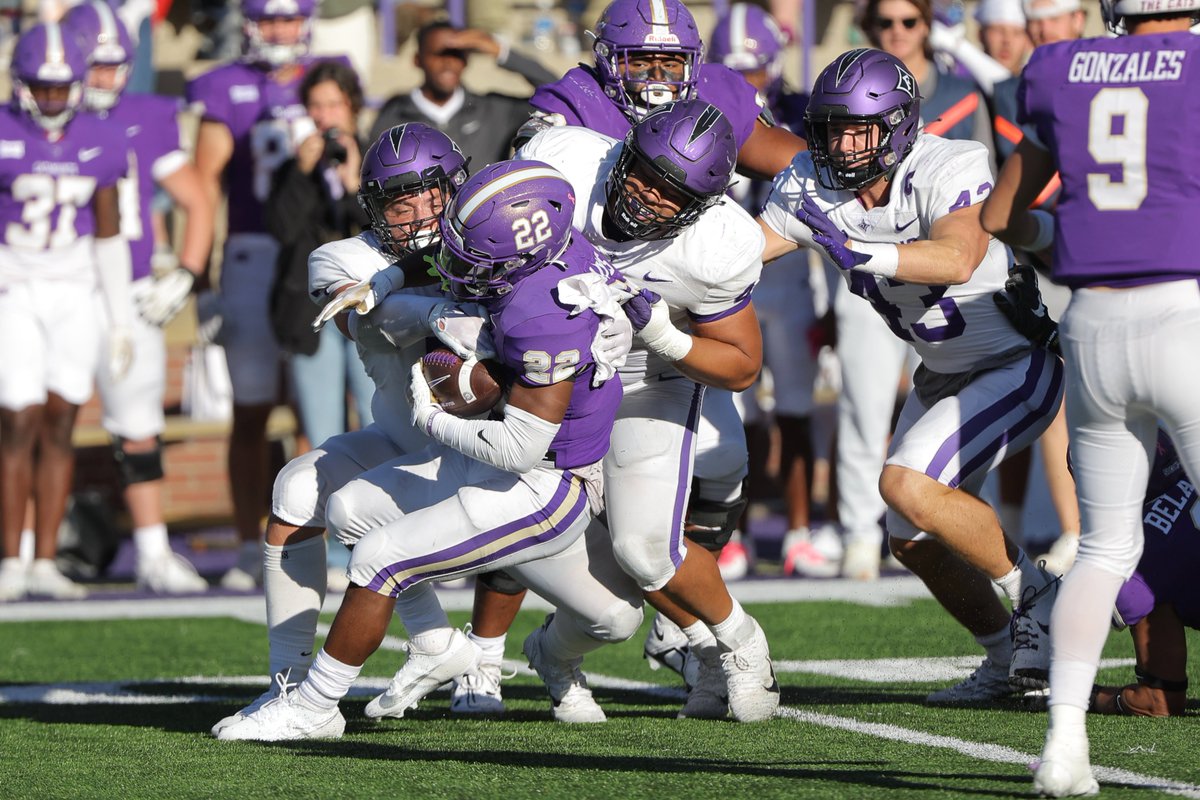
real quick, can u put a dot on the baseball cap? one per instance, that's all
(1000, 12)
(1044, 9)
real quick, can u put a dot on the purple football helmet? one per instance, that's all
(684, 150)
(1114, 11)
(107, 42)
(862, 87)
(257, 49)
(48, 55)
(747, 39)
(629, 27)
(409, 159)
(508, 221)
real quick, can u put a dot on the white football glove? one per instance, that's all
(424, 408)
(611, 347)
(362, 296)
(163, 297)
(463, 329)
(210, 317)
(120, 353)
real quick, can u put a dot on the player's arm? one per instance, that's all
(955, 247)
(725, 353)
(776, 245)
(188, 191)
(769, 151)
(1006, 212)
(214, 148)
(114, 266)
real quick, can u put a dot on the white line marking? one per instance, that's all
(904, 670)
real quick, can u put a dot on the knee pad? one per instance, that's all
(619, 622)
(711, 523)
(339, 521)
(296, 495)
(500, 582)
(137, 467)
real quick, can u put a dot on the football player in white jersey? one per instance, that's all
(655, 206)
(897, 210)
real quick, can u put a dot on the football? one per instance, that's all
(458, 392)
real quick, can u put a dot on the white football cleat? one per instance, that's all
(708, 697)
(750, 679)
(1063, 770)
(570, 698)
(284, 719)
(12, 579)
(278, 686)
(987, 683)
(1030, 631)
(733, 560)
(422, 673)
(170, 573)
(667, 646)
(45, 580)
(478, 691)
(861, 560)
(240, 580)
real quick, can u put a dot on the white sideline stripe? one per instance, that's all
(118, 693)
(892, 591)
(941, 669)
(978, 750)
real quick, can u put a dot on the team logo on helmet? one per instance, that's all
(905, 82)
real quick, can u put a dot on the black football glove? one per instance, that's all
(1021, 302)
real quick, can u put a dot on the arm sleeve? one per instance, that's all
(399, 321)
(963, 179)
(514, 444)
(780, 211)
(214, 103)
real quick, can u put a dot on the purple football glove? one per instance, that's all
(829, 236)
(638, 308)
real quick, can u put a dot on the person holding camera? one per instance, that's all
(313, 201)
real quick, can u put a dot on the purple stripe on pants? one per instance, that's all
(1008, 434)
(989, 416)
(685, 470)
(551, 509)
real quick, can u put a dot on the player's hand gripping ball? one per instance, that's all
(462, 388)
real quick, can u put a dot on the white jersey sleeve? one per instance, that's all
(346, 261)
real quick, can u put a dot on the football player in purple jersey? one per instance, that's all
(508, 490)
(133, 406)
(649, 52)
(896, 209)
(1160, 599)
(251, 121)
(1106, 114)
(60, 236)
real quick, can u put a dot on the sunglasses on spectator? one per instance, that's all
(886, 23)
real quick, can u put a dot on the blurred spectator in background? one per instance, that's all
(251, 121)
(482, 125)
(313, 201)
(162, 283)
(347, 27)
(1002, 33)
(748, 41)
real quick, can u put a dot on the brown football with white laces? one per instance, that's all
(463, 393)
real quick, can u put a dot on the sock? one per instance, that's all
(424, 618)
(1025, 580)
(295, 590)
(735, 630)
(567, 640)
(492, 647)
(699, 635)
(1068, 726)
(1080, 622)
(151, 542)
(250, 556)
(998, 646)
(26, 548)
(328, 681)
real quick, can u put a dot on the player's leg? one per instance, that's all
(940, 457)
(647, 485)
(254, 359)
(498, 598)
(1054, 444)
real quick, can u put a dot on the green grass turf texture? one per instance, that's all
(157, 750)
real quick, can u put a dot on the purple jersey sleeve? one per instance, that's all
(1110, 112)
(543, 344)
(733, 95)
(151, 128)
(579, 98)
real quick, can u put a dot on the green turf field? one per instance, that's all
(121, 708)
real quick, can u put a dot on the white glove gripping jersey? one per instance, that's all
(704, 274)
(351, 261)
(952, 328)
